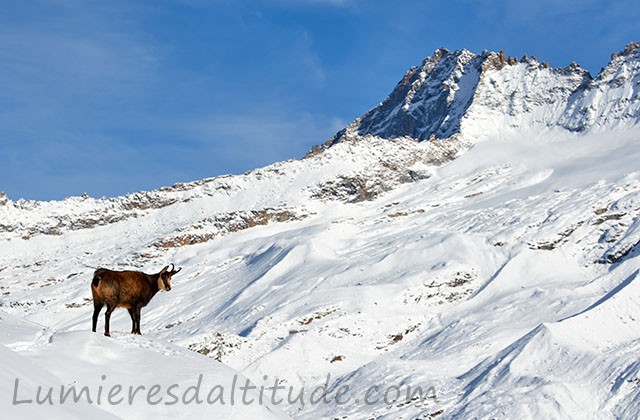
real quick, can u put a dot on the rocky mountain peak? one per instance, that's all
(476, 95)
(633, 48)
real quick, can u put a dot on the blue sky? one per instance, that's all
(110, 97)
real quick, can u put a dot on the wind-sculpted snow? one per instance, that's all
(78, 374)
(494, 276)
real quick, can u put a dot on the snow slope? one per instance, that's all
(497, 270)
(42, 360)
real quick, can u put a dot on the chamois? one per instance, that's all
(126, 289)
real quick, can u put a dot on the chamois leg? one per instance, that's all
(97, 307)
(137, 314)
(107, 317)
(132, 314)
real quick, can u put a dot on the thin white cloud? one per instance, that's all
(307, 55)
(270, 136)
(332, 3)
(74, 59)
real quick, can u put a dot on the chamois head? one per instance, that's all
(164, 278)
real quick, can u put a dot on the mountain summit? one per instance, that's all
(476, 95)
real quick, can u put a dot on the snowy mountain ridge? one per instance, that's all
(497, 266)
(478, 95)
(458, 96)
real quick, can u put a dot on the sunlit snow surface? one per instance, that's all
(506, 279)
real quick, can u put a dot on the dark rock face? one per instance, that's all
(423, 102)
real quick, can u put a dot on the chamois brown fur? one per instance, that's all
(126, 289)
